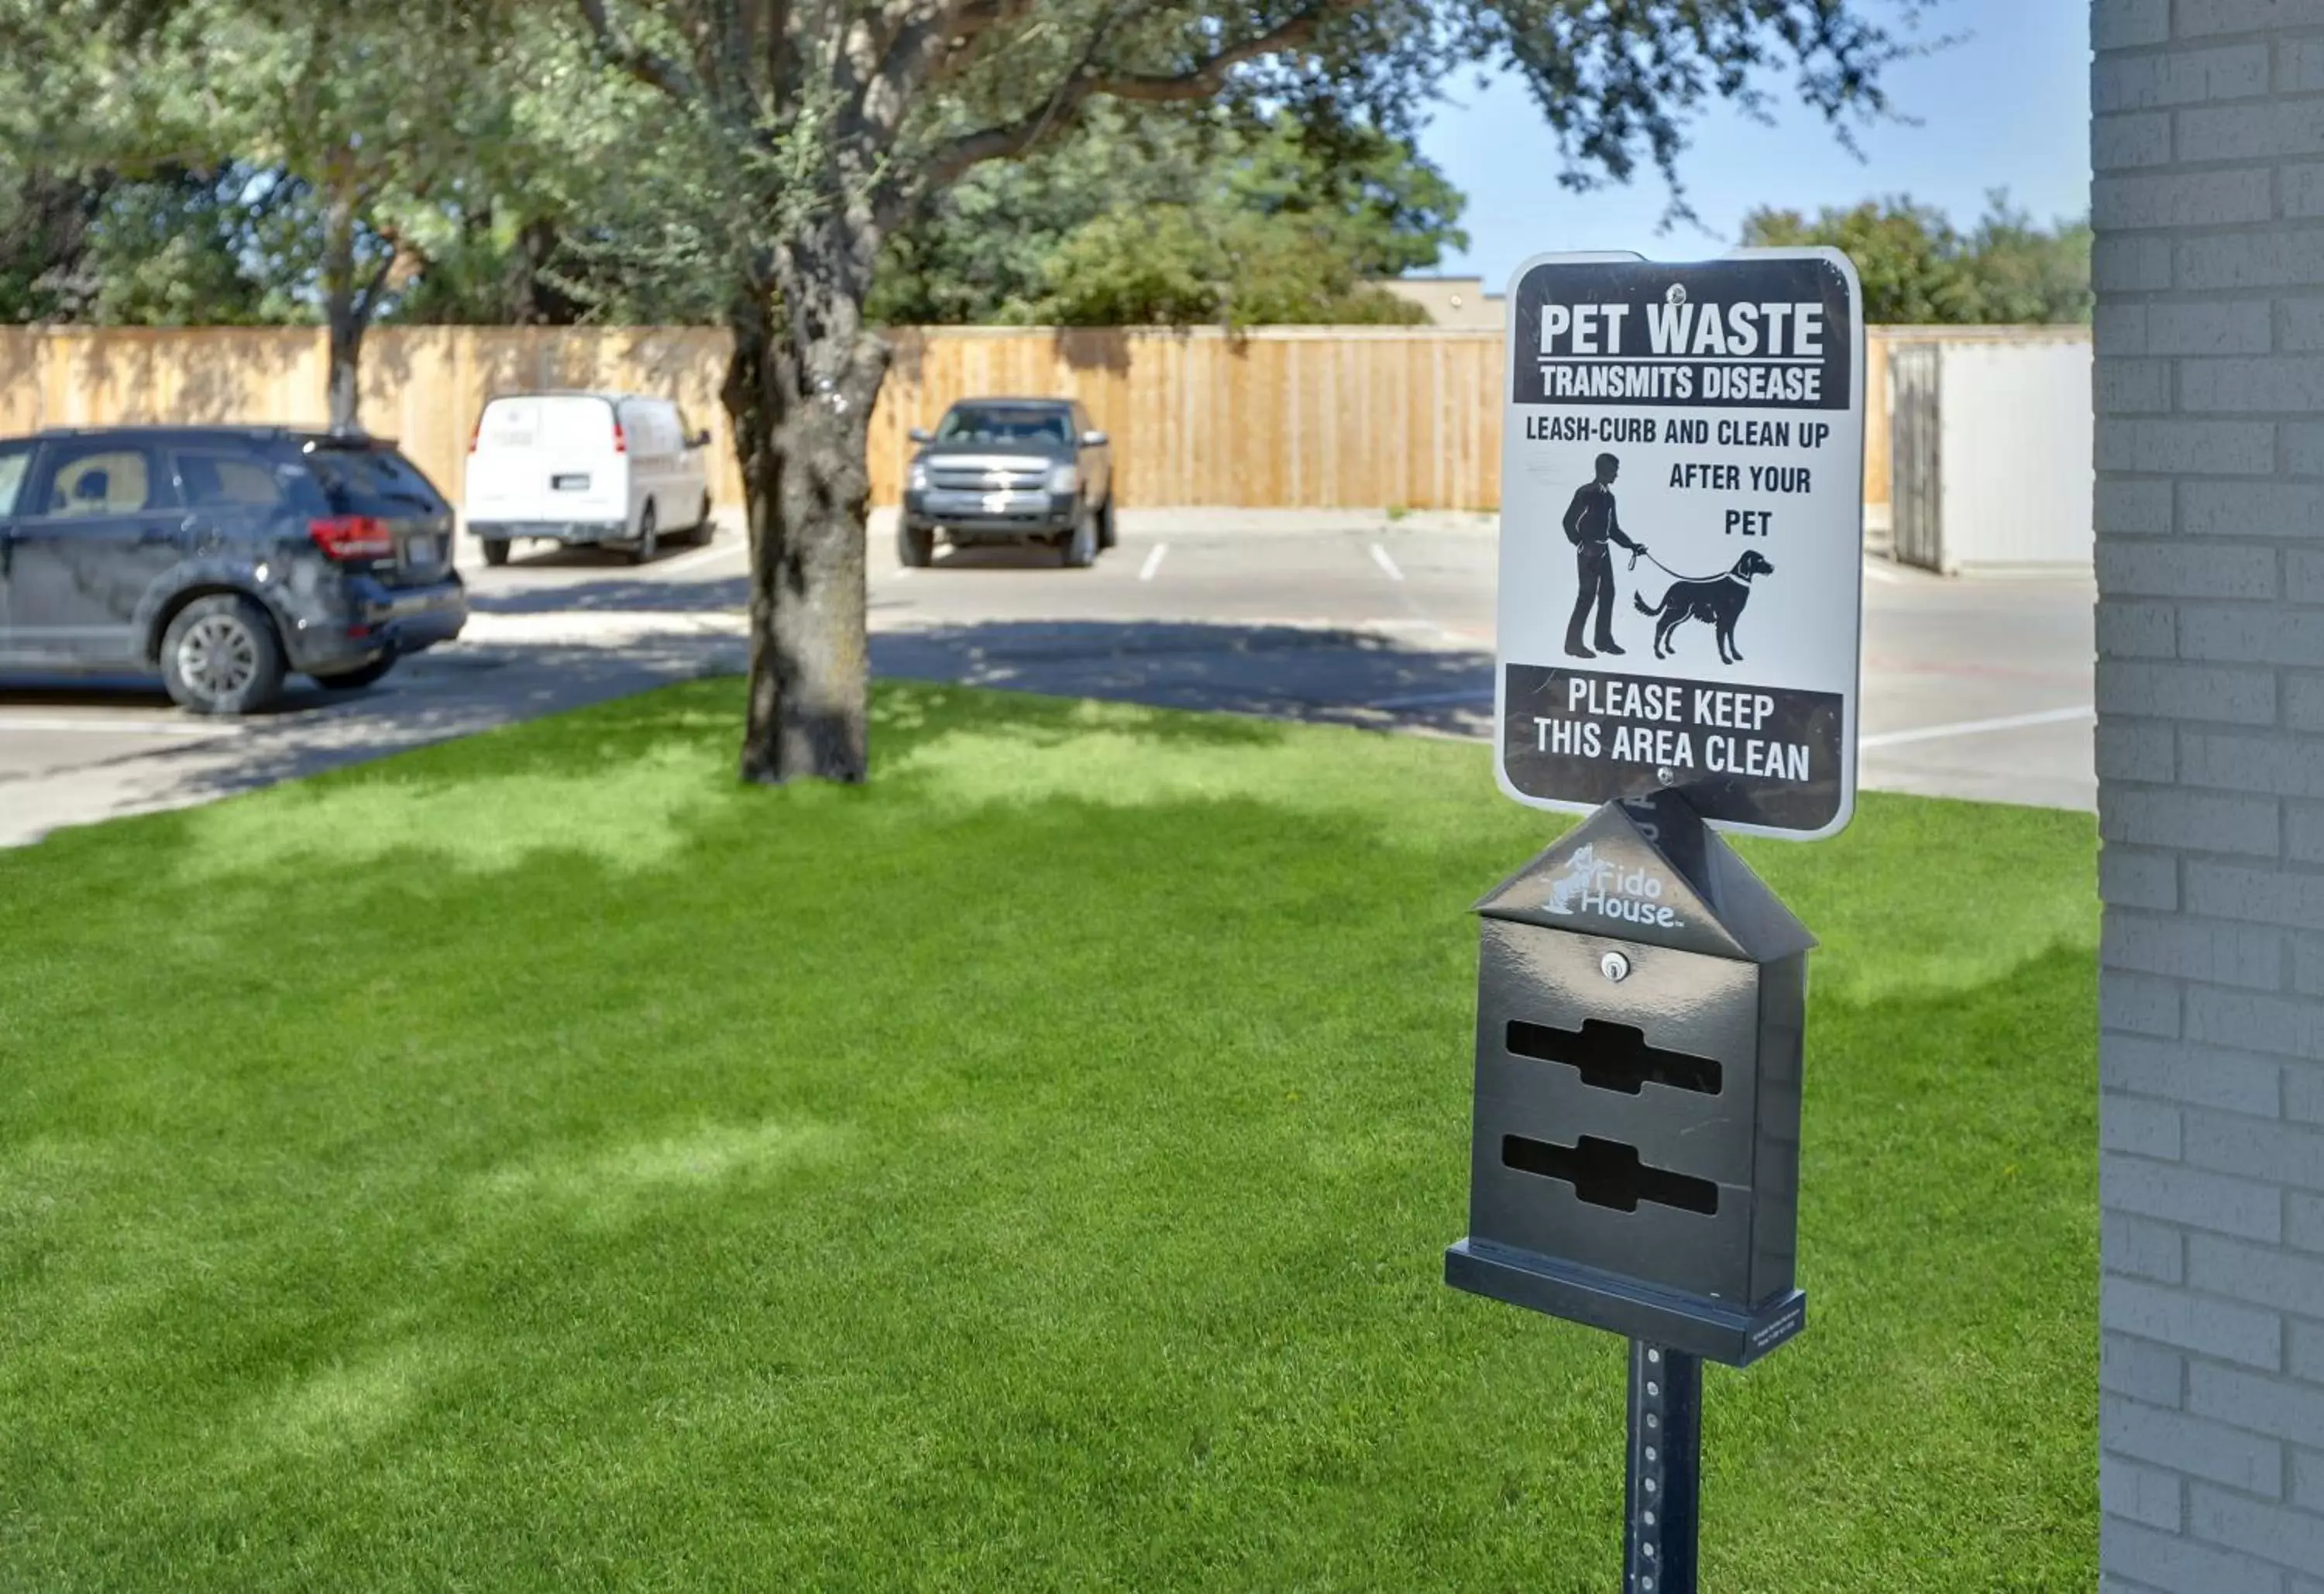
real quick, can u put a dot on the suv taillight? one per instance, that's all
(352, 537)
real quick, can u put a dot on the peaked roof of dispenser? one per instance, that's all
(1647, 869)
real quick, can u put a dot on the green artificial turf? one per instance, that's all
(539, 1163)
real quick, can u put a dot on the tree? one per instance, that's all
(1918, 268)
(830, 122)
(2030, 273)
(351, 125)
(1166, 218)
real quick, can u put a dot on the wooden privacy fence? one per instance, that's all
(1291, 416)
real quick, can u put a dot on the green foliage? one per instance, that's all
(1917, 268)
(1176, 220)
(1182, 264)
(1027, 1173)
(501, 169)
(175, 251)
(46, 218)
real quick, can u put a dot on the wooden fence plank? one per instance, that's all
(1275, 417)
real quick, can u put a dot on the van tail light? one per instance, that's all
(620, 439)
(476, 434)
(347, 538)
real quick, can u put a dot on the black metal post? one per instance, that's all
(1665, 1488)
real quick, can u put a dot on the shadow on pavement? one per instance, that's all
(1361, 679)
(624, 589)
(1280, 671)
(441, 695)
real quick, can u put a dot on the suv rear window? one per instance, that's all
(15, 461)
(373, 481)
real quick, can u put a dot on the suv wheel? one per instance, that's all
(496, 550)
(221, 656)
(1077, 549)
(1105, 526)
(648, 543)
(916, 546)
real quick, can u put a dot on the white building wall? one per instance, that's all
(2017, 426)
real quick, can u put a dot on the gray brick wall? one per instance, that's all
(2206, 141)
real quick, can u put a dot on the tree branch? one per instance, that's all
(366, 304)
(1203, 81)
(654, 70)
(902, 57)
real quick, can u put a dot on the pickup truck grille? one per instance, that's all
(982, 478)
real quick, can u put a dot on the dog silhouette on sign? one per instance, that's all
(1717, 599)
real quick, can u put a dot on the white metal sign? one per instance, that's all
(1682, 575)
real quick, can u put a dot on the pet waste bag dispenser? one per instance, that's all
(1635, 1152)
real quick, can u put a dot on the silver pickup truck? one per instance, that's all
(1014, 471)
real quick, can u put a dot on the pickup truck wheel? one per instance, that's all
(1077, 549)
(221, 656)
(1105, 526)
(916, 546)
(496, 550)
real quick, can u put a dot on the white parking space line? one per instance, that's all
(1878, 570)
(702, 556)
(105, 727)
(2016, 721)
(1153, 562)
(1429, 699)
(1380, 557)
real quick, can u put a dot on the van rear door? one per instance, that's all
(553, 458)
(506, 480)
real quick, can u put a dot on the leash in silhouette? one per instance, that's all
(1717, 600)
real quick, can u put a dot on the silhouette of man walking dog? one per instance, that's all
(1591, 524)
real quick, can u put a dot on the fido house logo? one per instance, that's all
(1591, 885)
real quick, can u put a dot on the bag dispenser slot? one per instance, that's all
(1614, 1056)
(1608, 1174)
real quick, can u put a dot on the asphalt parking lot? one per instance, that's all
(1976, 689)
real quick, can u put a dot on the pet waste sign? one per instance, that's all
(1682, 575)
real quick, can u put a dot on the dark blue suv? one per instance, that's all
(224, 556)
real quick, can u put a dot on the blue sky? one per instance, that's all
(2008, 107)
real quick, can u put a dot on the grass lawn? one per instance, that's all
(538, 1163)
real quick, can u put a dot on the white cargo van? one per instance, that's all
(585, 468)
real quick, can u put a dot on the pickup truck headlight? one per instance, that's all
(919, 478)
(1066, 478)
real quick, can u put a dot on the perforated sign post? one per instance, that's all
(1681, 603)
(1682, 536)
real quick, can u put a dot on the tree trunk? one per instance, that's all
(799, 391)
(339, 295)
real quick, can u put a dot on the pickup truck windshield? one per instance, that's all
(991, 423)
